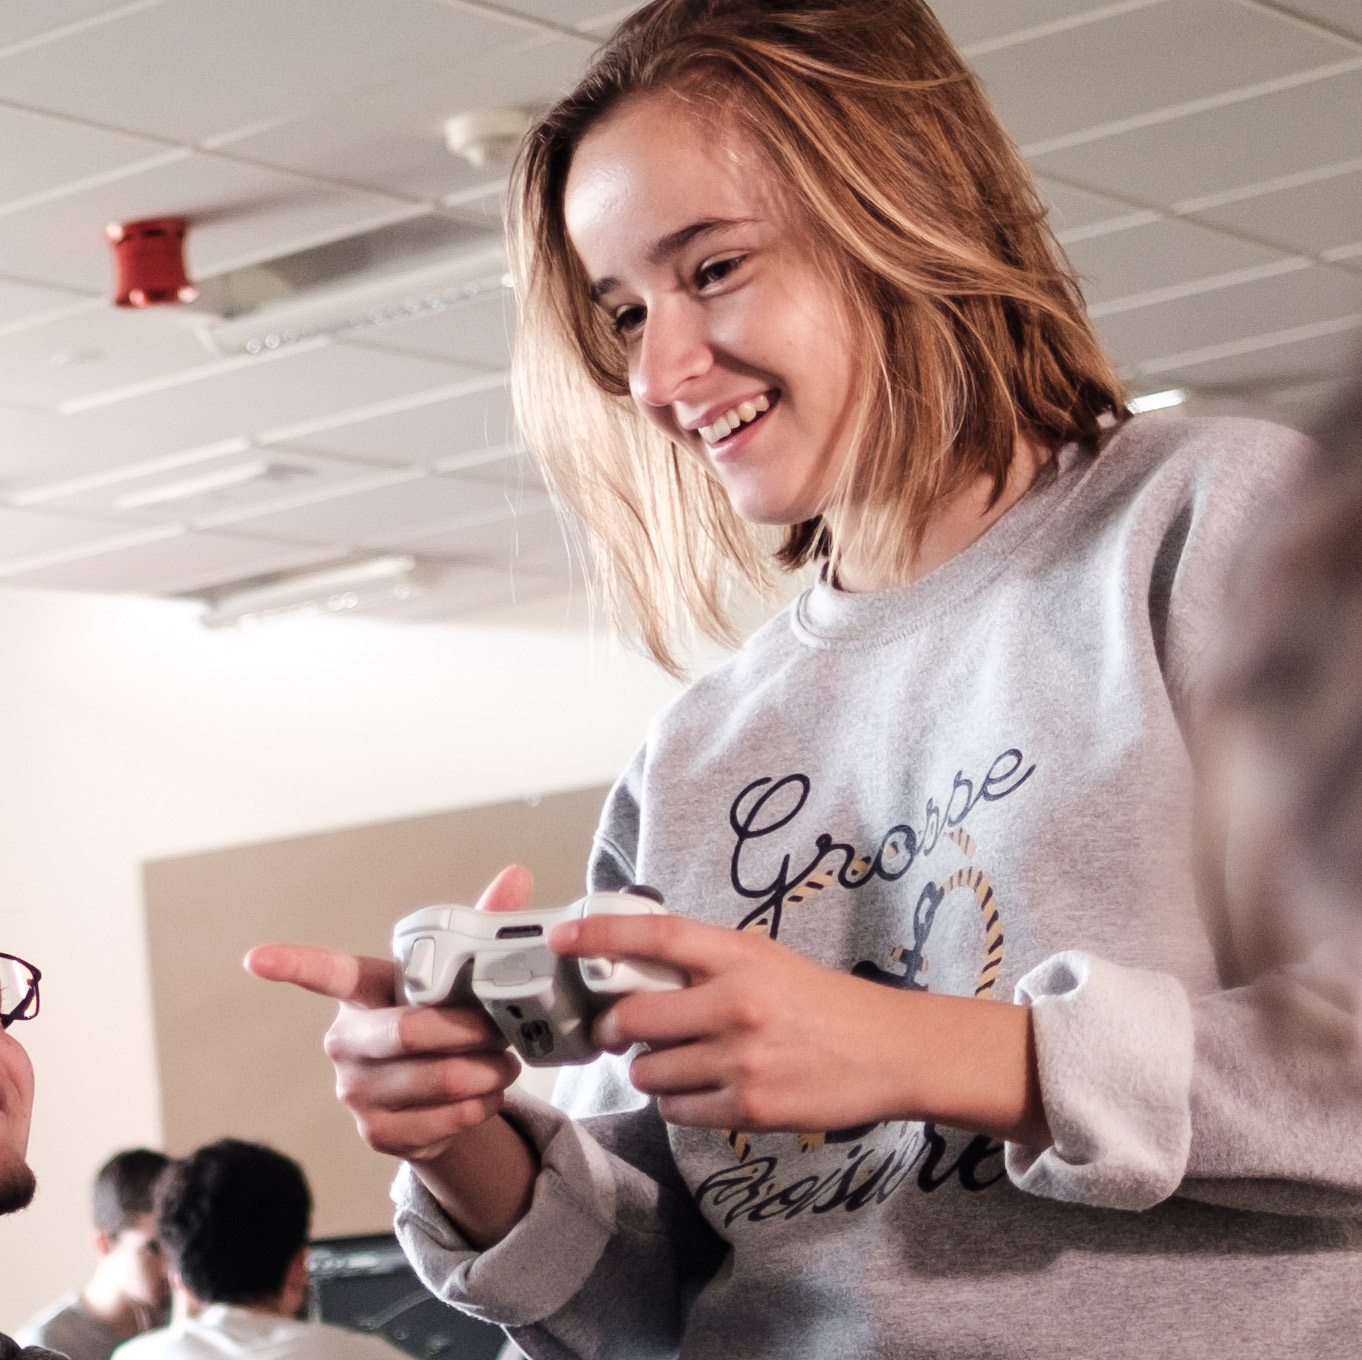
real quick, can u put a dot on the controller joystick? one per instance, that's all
(499, 962)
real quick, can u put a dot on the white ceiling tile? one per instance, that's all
(569, 13)
(424, 434)
(481, 206)
(1072, 208)
(30, 533)
(514, 474)
(1310, 217)
(477, 333)
(37, 447)
(1273, 304)
(1170, 54)
(393, 138)
(533, 534)
(969, 21)
(180, 564)
(603, 25)
(238, 214)
(246, 397)
(1157, 255)
(556, 563)
(379, 518)
(1207, 153)
(466, 590)
(221, 67)
(280, 474)
(1343, 15)
(1266, 371)
(94, 350)
(42, 154)
(27, 19)
(23, 302)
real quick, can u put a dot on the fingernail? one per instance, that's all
(563, 937)
(607, 1030)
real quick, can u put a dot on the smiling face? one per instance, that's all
(737, 345)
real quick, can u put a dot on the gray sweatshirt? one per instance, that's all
(977, 785)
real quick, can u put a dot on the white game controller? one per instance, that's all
(498, 961)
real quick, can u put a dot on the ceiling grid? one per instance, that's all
(1203, 160)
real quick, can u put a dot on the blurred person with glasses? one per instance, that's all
(18, 1001)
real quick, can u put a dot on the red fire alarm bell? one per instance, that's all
(149, 256)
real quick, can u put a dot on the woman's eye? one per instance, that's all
(716, 271)
(627, 319)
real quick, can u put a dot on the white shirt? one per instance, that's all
(223, 1330)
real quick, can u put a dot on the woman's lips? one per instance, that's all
(728, 444)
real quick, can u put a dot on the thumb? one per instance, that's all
(508, 891)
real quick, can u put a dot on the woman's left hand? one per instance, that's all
(765, 1039)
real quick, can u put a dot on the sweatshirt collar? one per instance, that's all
(825, 616)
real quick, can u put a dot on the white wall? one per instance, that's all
(128, 733)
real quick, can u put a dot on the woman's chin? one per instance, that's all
(757, 505)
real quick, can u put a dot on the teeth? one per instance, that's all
(743, 412)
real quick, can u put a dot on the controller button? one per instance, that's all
(512, 971)
(598, 970)
(419, 973)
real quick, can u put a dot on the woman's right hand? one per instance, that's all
(424, 1083)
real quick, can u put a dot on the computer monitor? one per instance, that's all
(366, 1284)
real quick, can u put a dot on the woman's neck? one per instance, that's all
(958, 522)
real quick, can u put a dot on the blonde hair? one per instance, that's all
(971, 327)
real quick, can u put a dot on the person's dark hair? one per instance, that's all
(232, 1216)
(125, 1188)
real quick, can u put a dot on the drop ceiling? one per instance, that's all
(1203, 160)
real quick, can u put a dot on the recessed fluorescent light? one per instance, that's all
(335, 590)
(220, 479)
(381, 315)
(1157, 401)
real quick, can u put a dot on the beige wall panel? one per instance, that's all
(243, 1058)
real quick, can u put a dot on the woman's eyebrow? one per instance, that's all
(670, 244)
(675, 241)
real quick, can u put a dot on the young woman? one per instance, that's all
(956, 1074)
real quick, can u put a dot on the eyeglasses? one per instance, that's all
(18, 990)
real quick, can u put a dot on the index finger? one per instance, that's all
(350, 978)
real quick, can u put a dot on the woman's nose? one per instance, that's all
(672, 351)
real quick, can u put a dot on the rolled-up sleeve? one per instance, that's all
(1115, 1049)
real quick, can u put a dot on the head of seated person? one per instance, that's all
(129, 1285)
(234, 1219)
